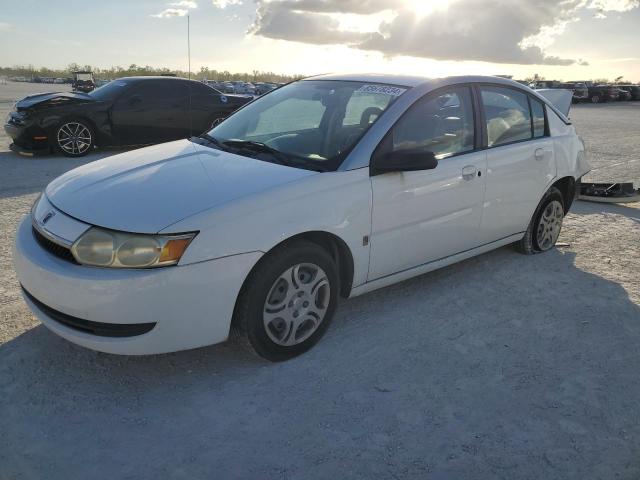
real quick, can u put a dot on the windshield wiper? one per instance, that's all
(253, 146)
(210, 140)
(281, 158)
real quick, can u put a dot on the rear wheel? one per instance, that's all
(545, 226)
(288, 301)
(74, 138)
(595, 99)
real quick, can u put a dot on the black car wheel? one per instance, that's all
(595, 99)
(287, 302)
(74, 138)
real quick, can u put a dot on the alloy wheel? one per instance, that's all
(549, 225)
(74, 138)
(296, 304)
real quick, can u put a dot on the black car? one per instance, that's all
(127, 111)
(634, 91)
(580, 90)
(623, 95)
(602, 93)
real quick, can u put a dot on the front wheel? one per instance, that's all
(595, 99)
(288, 301)
(545, 226)
(74, 138)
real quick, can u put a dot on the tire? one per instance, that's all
(545, 226)
(74, 138)
(595, 99)
(287, 302)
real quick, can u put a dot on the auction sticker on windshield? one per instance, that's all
(384, 89)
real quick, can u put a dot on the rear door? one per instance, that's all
(152, 111)
(520, 160)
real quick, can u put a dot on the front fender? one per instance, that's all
(334, 202)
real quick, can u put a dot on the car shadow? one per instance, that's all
(501, 363)
(630, 210)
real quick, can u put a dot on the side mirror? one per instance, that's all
(403, 161)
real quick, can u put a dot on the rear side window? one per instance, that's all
(507, 115)
(441, 123)
(537, 116)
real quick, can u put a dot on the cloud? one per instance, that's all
(188, 4)
(184, 7)
(4, 26)
(498, 31)
(171, 12)
(304, 27)
(603, 6)
(225, 3)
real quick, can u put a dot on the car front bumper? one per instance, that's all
(185, 306)
(27, 139)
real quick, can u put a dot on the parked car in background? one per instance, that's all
(83, 82)
(127, 111)
(602, 93)
(623, 95)
(264, 87)
(327, 187)
(634, 91)
(580, 91)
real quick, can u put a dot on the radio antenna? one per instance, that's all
(189, 43)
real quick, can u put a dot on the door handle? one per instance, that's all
(469, 172)
(539, 154)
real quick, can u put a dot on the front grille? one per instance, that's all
(53, 248)
(87, 326)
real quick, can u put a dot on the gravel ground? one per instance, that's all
(502, 366)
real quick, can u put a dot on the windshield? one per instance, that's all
(310, 123)
(109, 90)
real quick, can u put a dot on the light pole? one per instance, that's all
(189, 42)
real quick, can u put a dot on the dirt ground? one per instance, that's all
(503, 366)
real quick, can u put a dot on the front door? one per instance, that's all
(422, 216)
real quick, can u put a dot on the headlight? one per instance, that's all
(16, 117)
(99, 247)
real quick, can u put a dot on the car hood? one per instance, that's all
(149, 189)
(44, 100)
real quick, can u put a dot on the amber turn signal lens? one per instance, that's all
(173, 249)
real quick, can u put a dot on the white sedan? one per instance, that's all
(328, 187)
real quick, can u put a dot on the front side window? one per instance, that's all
(441, 123)
(507, 115)
(311, 123)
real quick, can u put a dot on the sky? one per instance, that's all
(560, 39)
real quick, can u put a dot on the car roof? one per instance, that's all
(426, 83)
(154, 77)
(411, 81)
